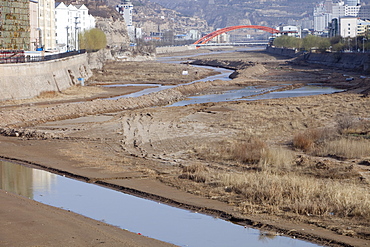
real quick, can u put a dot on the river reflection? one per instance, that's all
(153, 219)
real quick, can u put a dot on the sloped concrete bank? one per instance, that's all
(28, 80)
(354, 61)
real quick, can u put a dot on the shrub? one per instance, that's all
(308, 140)
(93, 39)
(248, 151)
(344, 123)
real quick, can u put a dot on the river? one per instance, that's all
(149, 218)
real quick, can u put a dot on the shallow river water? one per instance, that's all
(149, 218)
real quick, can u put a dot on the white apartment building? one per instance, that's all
(321, 17)
(125, 9)
(47, 24)
(340, 9)
(348, 27)
(70, 21)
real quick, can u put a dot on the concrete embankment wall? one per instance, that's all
(281, 51)
(356, 61)
(171, 49)
(28, 80)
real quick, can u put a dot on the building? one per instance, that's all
(47, 24)
(293, 31)
(348, 27)
(341, 10)
(125, 9)
(353, 2)
(364, 12)
(363, 27)
(15, 25)
(322, 15)
(34, 26)
(70, 21)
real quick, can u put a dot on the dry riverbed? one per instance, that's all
(205, 156)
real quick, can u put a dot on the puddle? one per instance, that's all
(152, 219)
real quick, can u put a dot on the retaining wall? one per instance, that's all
(281, 51)
(28, 80)
(356, 61)
(170, 49)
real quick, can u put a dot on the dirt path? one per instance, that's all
(131, 146)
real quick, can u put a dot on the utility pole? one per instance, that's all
(76, 38)
(363, 44)
(67, 27)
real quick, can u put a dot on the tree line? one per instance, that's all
(312, 42)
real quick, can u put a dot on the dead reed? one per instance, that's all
(348, 148)
(299, 194)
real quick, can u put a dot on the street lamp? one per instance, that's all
(349, 43)
(67, 27)
(363, 44)
(76, 38)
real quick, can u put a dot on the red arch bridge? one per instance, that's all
(214, 34)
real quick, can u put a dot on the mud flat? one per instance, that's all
(189, 155)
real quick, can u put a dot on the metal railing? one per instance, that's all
(18, 56)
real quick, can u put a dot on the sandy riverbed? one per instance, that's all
(154, 147)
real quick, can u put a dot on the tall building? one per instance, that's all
(15, 25)
(125, 9)
(47, 24)
(353, 2)
(341, 10)
(35, 31)
(322, 16)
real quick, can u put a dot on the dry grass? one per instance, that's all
(279, 184)
(48, 94)
(247, 151)
(278, 158)
(347, 148)
(195, 172)
(302, 195)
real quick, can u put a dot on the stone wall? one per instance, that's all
(28, 80)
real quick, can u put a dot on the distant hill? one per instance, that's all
(222, 13)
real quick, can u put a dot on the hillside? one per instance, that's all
(222, 13)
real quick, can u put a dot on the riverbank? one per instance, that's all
(173, 154)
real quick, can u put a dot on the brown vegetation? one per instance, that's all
(284, 159)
